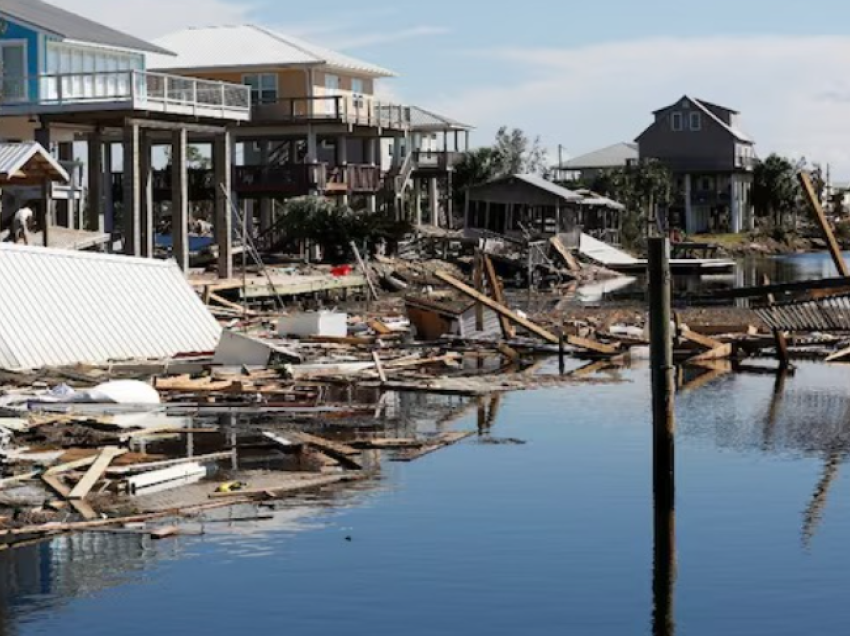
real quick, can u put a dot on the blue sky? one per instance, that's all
(584, 75)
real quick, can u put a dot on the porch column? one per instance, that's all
(466, 216)
(132, 191)
(689, 220)
(342, 164)
(265, 202)
(487, 215)
(450, 200)
(65, 209)
(46, 221)
(417, 202)
(735, 204)
(312, 154)
(147, 211)
(372, 160)
(108, 218)
(223, 216)
(95, 174)
(434, 201)
(397, 149)
(180, 198)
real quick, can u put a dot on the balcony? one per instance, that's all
(124, 91)
(356, 111)
(439, 160)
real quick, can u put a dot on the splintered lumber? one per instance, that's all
(380, 367)
(363, 268)
(498, 308)
(839, 356)
(164, 532)
(440, 442)
(820, 217)
(379, 328)
(231, 305)
(341, 452)
(389, 444)
(698, 339)
(509, 352)
(17, 479)
(564, 253)
(498, 293)
(75, 465)
(718, 353)
(95, 472)
(83, 508)
(592, 345)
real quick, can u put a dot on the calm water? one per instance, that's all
(554, 536)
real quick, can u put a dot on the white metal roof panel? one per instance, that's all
(421, 119)
(62, 308)
(249, 45)
(15, 156)
(614, 156)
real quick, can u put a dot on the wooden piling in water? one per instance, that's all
(663, 420)
(661, 359)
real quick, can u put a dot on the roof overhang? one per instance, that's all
(29, 164)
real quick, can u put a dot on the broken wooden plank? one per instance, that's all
(164, 532)
(499, 308)
(718, 353)
(340, 452)
(379, 328)
(232, 306)
(364, 268)
(564, 253)
(839, 356)
(440, 442)
(380, 367)
(498, 293)
(509, 352)
(698, 339)
(82, 507)
(75, 465)
(826, 230)
(17, 479)
(95, 472)
(592, 345)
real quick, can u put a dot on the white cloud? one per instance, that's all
(154, 18)
(790, 91)
(359, 41)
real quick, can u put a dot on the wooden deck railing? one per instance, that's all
(361, 111)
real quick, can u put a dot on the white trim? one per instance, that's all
(695, 116)
(677, 117)
(260, 89)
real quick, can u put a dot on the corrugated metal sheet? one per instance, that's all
(71, 26)
(60, 308)
(825, 314)
(15, 157)
(250, 45)
(615, 156)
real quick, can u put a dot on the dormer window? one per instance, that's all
(696, 121)
(676, 122)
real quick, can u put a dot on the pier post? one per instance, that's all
(132, 207)
(180, 198)
(663, 416)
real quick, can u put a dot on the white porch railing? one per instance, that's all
(136, 89)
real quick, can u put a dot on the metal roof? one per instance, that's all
(592, 198)
(552, 188)
(63, 308)
(705, 107)
(826, 314)
(421, 119)
(70, 26)
(18, 160)
(251, 46)
(615, 156)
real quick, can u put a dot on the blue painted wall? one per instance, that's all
(15, 31)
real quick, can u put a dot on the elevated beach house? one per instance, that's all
(65, 78)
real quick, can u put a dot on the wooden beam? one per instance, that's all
(564, 253)
(380, 367)
(718, 353)
(499, 308)
(63, 491)
(363, 268)
(97, 470)
(592, 345)
(820, 217)
(495, 284)
(702, 341)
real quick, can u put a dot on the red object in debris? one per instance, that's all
(342, 270)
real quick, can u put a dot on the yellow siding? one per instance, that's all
(291, 83)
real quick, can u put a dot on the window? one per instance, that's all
(13, 60)
(676, 121)
(263, 87)
(696, 121)
(357, 92)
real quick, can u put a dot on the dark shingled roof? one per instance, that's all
(71, 26)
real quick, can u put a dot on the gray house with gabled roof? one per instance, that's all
(712, 161)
